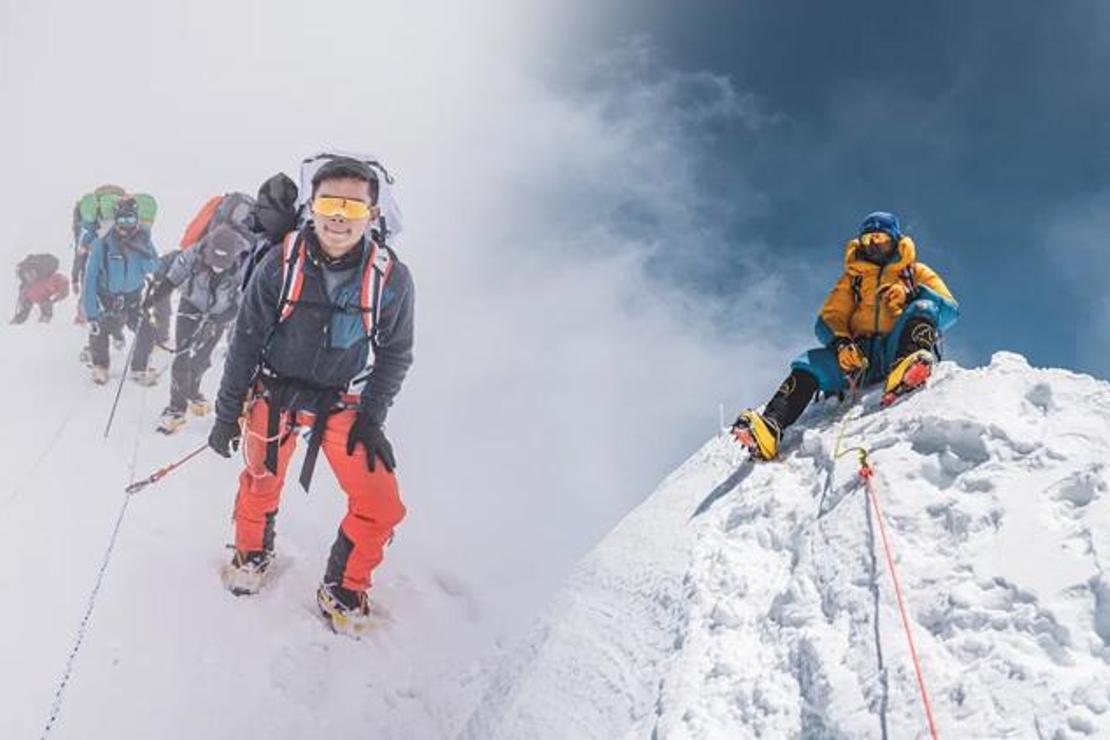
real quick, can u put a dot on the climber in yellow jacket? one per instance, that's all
(882, 321)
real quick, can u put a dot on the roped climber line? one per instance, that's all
(90, 604)
(867, 474)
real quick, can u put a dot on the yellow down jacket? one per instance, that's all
(855, 307)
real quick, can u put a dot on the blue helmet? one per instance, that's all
(882, 221)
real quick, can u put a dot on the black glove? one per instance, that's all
(373, 439)
(224, 437)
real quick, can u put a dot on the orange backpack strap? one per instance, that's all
(374, 276)
(292, 273)
(196, 228)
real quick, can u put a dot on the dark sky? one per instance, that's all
(985, 126)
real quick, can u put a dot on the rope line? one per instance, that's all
(867, 473)
(82, 629)
(873, 566)
(90, 604)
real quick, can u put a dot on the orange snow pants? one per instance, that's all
(374, 505)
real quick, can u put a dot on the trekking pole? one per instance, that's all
(163, 472)
(119, 388)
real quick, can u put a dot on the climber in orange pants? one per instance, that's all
(374, 505)
(323, 340)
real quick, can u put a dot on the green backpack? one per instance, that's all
(101, 207)
(148, 208)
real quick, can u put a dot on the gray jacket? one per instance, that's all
(214, 294)
(311, 349)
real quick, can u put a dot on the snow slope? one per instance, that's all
(754, 601)
(737, 601)
(168, 653)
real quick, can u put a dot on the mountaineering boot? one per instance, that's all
(200, 406)
(347, 611)
(246, 572)
(172, 420)
(146, 377)
(909, 374)
(760, 434)
(99, 375)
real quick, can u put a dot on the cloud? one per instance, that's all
(557, 232)
(564, 363)
(1073, 249)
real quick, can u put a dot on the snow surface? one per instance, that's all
(168, 652)
(749, 600)
(737, 601)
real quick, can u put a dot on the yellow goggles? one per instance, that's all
(328, 207)
(878, 238)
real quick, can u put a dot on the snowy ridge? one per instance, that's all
(747, 601)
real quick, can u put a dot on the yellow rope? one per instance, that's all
(854, 382)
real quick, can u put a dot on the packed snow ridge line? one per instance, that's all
(752, 600)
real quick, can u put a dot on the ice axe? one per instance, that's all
(163, 472)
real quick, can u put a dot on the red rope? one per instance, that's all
(867, 474)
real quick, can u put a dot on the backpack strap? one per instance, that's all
(375, 274)
(379, 266)
(857, 289)
(292, 273)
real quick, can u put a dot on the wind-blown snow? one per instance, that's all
(754, 601)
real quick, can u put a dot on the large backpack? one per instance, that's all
(198, 224)
(98, 208)
(90, 206)
(148, 208)
(43, 265)
(275, 216)
(282, 207)
(233, 209)
(389, 223)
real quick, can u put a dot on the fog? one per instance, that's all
(559, 371)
